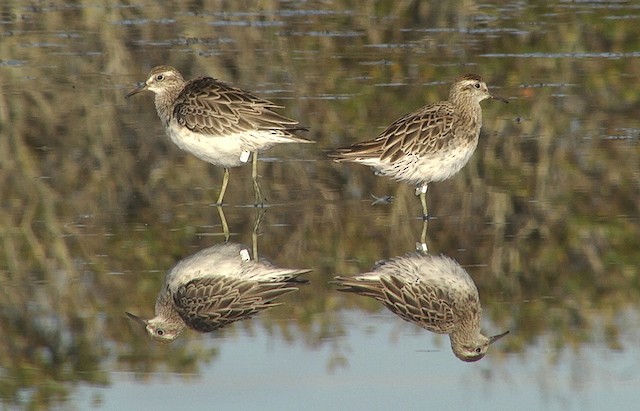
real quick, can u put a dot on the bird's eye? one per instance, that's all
(160, 332)
(160, 77)
(477, 85)
(478, 350)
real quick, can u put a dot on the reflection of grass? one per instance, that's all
(546, 211)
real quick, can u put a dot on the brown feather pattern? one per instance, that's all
(418, 302)
(425, 131)
(434, 292)
(210, 107)
(210, 303)
(430, 144)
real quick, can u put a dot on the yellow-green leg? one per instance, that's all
(256, 232)
(422, 245)
(422, 192)
(225, 182)
(225, 225)
(256, 185)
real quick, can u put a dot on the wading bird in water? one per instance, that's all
(218, 123)
(431, 144)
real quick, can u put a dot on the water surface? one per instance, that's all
(97, 204)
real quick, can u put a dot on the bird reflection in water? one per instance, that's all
(434, 292)
(216, 287)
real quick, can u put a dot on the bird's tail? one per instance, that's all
(358, 285)
(357, 152)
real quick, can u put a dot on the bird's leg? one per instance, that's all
(256, 185)
(256, 232)
(225, 181)
(422, 192)
(223, 221)
(422, 245)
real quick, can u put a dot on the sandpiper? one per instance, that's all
(215, 287)
(216, 122)
(434, 292)
(431, 144)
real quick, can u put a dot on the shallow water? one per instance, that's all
(97, 204)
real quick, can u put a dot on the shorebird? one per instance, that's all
(434, 292)
(216, 287)
(218, 123)
(430, 144)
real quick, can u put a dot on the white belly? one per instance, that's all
(426, 169)
(220, 260)
(223, 151)
(230, 150)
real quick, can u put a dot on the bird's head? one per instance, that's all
(159, 329)
(472, 86)
(475, 350)
(161, 79)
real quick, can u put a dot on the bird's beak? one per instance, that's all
(493, 96)
(141, 87)
(495, 337)
(140, 320)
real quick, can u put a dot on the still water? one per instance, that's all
(97, 204)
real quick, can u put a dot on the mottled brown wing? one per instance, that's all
(425, 130)
(211, 107)
(211, 303)
(415, 302)
(420, 303)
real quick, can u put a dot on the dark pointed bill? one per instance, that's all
(504, 100)
(139, 89)
(137, 319)
(497, 337)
